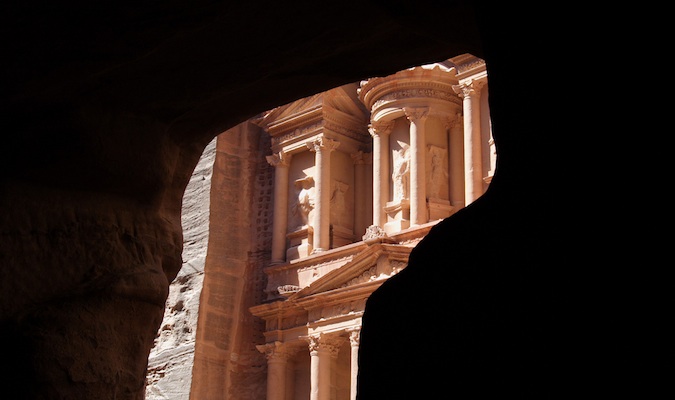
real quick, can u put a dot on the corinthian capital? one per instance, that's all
(279, 159)
(322, 143)
(468, 88)
(274, 351)
(380, 127)
(416, 113)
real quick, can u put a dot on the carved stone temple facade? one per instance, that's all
(361, 174)
(293, 218)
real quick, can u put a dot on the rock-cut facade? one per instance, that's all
(334, 191)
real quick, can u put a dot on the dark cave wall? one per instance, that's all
(106, 111)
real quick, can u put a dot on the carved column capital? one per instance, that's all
(378, 128)
(360, 158)
(416, 113)
(280, 159)
(276, 351)
(322, 143)
(322, 342)
(354, 337)
(468, 88)
(453, 121)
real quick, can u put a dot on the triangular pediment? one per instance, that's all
(341, 104)
(377, 262)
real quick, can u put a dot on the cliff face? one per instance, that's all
(172, 355)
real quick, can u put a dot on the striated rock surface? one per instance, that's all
(171, 358)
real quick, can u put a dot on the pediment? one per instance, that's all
(340, 104)
(377, 262)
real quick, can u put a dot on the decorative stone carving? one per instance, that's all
(274, 351)
(401, 173)
(287, 290)
(280, 159)
(305, 203)
(438, 170)
(373, 232)
(377, 128)
(338, 202)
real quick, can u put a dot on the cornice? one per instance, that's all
(418, 82)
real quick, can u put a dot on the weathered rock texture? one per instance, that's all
(107, 108)
(170, 362)
(226, 360)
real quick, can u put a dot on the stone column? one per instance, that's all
(280, 162)
(277, 359)
(354, 339)
(361, 161)
(315, 366)
(418, 197)
(322, 350)
(323, 147)
(380, 130)
(473, 179)
(456, 160)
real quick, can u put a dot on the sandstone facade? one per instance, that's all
(357, 176)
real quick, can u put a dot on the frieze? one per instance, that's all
(305, 131)
(355, 134)
(477, 63)
(417, 93)
(333, 261)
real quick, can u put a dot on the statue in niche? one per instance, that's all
(338, 202)
(305, 203)
(438, 172)
(401, 172)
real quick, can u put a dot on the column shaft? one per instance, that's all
(418, 197)
(322, 148)
(354, 342)
(379, 130)
(279, 225)
(277, 359)
(315, 365)
(473, 178)
(360, 195)
(456, 159)
(324, 373)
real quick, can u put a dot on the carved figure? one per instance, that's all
(305, 203)
(339, 202)
(401, 172)
(438, 170)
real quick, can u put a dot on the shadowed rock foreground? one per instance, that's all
(107, 109)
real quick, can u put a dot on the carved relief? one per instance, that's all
(401, 172)
(305, 203)
(438, 171)
(338, 203)
(373, 232)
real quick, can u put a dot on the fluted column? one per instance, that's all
(277, 359)
(361, 161)
(280, 162)
(473, 179)
(354, 339)
(418, 196)
(322, 147)
(380, 130)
